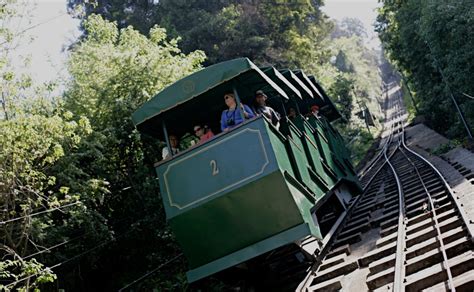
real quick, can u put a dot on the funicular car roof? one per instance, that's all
(281, 80)
(196, 85)
(206, 87)
(305, 91)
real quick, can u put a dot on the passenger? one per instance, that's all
(174, 143)
(314, 111)
(262, 109)
(232, 117)
(203, 133)
(291, 113)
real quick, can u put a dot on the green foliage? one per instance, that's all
(426, 39)
(36, 175)
(444, 148)
(288, 33)
(353, 83)
(40, 205)
(113, 72)
(408, 102)
(359, 141)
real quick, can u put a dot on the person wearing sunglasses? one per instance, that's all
(203, 133)
(234, 116)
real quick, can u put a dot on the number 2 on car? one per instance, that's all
(215, 169)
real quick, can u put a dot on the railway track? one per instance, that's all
(406, 232)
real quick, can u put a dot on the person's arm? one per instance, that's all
(248, 113)
(223, 121)
(165, 153)
(275, 117)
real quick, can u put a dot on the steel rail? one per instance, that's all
(325, 248)
(469, 227)
(307, 280)
(399, 273)
(395, 122)
(433, 211)
(435, 218)
(379, 155)
(400, 252)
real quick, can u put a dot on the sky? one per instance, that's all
(363, 10)
(55, 30)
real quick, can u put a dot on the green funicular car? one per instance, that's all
(256, 188)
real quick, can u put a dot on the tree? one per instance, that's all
(265, 31)
(349, 27)
(426, 40)
(41, 205)
(113, 72)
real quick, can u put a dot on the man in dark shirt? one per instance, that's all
(262, 109)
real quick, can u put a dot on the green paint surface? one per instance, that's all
(240, 218)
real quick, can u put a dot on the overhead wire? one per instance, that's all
(467, 95)
(48, 249)
(150, 273)
(38, 213)
(103, 243)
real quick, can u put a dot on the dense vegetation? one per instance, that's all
(431, 44)
(77, 188)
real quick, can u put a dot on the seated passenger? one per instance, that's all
(232, 117)
(203, 133)
(174, 143)
(262, 109)
(291, 113)
(314, 112)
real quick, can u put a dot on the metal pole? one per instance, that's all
(461, 115)
(237, 99)
(167, 140)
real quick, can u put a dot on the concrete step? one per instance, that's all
(430, 231)
(335, 271)
(424, 216)
(429, 221)
(381, 278)
(463, 282)
(436, 273)
(352, 224)
(345, 249)
(382, 264)
(387, 220)
(435, 256)
(377, 254)
(386, 240)
(332, 261)
(432, 243)
(389, 230)
(362, 228)
(350, 239)
(329, 285)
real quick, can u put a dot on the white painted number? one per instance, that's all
(214, 168)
